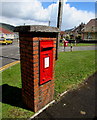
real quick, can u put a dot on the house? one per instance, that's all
(6, 33)
(68, 34)
(89, 32)
(62, 34)
(77, 31)
(74, 33)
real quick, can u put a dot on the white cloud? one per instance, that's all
(73, 17)
(25, 10)
(17, 21)
(32, 12)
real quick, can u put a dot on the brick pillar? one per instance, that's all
(35, 96)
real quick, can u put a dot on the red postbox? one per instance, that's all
(46, 61)
(65, 43)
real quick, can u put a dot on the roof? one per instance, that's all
(5, 31)
(91, 26)
(69, 30)
(36, 28)
(78, 28)
(62, 32)
(91, 22)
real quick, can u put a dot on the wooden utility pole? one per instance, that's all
(59, 22)
(60, 9)
(49, 23)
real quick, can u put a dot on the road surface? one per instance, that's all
(61, 49)
(9, 53)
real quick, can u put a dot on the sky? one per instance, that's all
(40, 12)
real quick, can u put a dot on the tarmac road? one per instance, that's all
(9, 53)
(61, 49)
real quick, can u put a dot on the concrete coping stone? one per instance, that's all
(36, 28)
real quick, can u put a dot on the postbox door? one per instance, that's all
(46, 64)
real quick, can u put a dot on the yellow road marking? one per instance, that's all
(8, 65)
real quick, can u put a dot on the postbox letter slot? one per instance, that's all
(48, 48)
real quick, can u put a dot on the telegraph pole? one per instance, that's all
(60, 10)
(59, 22)
(49, 23)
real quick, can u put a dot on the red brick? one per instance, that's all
(35, 43)
(35, 60)
(35, 48)
(45, 38)
(35, 38)
(35, 65)
(36, 68)
(35, 52)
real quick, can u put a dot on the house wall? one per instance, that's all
(90, 36)
(7, 36)
(1, 35)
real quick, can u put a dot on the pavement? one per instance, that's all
(76, 104)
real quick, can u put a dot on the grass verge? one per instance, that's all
(12, 106)
(71, 69)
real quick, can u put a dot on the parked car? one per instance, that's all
(5, 41)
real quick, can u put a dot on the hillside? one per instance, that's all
(7, 26)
